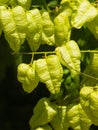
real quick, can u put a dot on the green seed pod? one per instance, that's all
(77, 118)
(50, 72)
(20, 19)
(94, 64)
(60, 122)
(27, 76)
(82, 13)
(93, 26)
(34, 32)
(2, 2)
(48, 28)
(44, 127)
(13, 23)
(69, 56)
(62, 29)
(43, 113)
(89, 102)
(24, 3)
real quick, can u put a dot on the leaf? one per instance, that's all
(34, 32)
(77, 118)
(84, 13)
(14, 24)
(48, 28)
(50, 72)
(27, 76)
(89, 102)
(62, 29)
(69, 56)
(43, 113)
(60, 122)
(24, 3)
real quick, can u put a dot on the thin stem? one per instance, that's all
(91, 51)
(36, 53)
(53, 52)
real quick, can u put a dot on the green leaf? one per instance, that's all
(27, 76)
(48, 28)
(83, 13)
(34, 31)
(50, 72)
(77, 118)
(69, 56)
(89, 102)
(43, 113)
(14, 26)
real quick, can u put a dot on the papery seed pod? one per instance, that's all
(1, 28)
(62, 29)
(2, 2)
(44, 127)
(69, 56)
(48, 28)
(77, 118)
(11, 20)
(43, 113)
(89, 102)
(50, 72)
(34, 32)
(82, 13)
(94, 64)
(24, 3)
(60, 122)
(27, 76)
(20, 18)
(93, 26)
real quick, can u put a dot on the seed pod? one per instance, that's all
(93, 26)
(43, 113)
(50, 72)
(44, 127)
(62, 29)
(1, 28)
(69, 56)
(13, 23)
(48, 28)
(27, 76)
(89, 102)
(34, 32)
(60, 122)
(94, 64)
(24, 3)
(2, 2)
(84, 12)
(77, 118)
